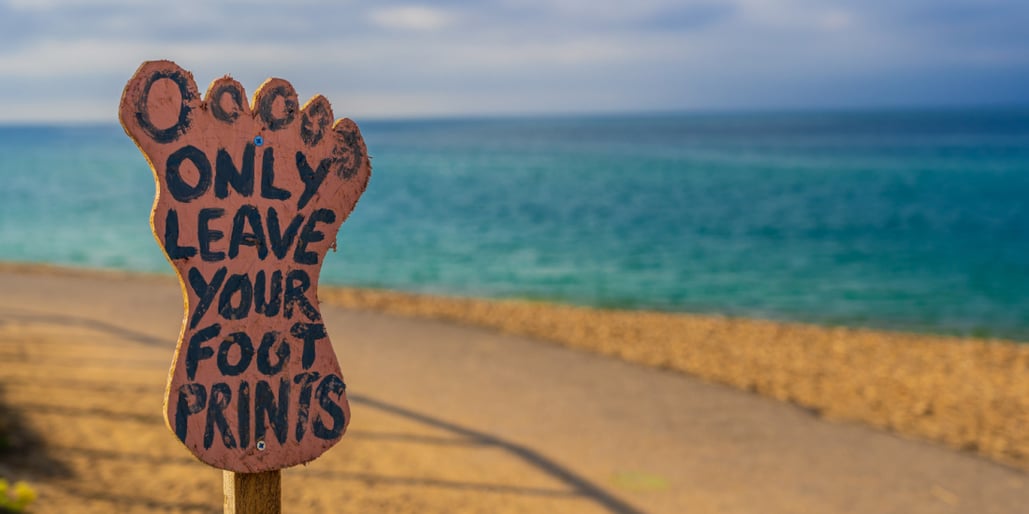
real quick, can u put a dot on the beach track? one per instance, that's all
(446, 418)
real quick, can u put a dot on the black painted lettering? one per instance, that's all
(305, 381)
(226, 173)
(264, 352)
(196, 352)
(297, 283)
(329, 392)
(246, 354)
(238, 283)
(174, 132)
(309, 333)
(205, 291)
(267, 412)
(215, 102)
(221, 395)
(268, 305)
(311, 235)
(281, 241)
(268, 189)
(171, 238)
(177, 186)
(247, 215)
(315, 119)
(243, 413)
(266, 107)
(312, 178)
(207, 235)
(192, 399)
(349, 166)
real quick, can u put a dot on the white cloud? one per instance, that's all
(835, 20)
(507, 56)
(48, 110)
(62, 58)
(51, 5)
(799, 15)
(411, 17)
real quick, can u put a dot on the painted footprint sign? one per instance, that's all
(250, 197)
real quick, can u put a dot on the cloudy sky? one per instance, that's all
(69, 59)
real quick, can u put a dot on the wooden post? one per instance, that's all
(253, 493)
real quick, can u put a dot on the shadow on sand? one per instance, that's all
(33, 453)
(24, 449)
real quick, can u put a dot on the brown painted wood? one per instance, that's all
(253, 493)
(250, 197)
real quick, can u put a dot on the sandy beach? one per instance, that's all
(469, 406)
(969, 394)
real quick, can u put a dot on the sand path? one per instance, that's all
(448, 419)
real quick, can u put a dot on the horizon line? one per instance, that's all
(627, 113)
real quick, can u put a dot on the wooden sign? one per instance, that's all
(249, 200)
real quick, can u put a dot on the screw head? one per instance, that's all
(258, 140)
(261, 446)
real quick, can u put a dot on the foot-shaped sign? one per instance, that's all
(249, 200)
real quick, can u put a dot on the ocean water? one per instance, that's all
(903, 220)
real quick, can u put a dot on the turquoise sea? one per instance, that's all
(904, 220)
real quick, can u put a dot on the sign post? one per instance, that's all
(253, 493)
(250, 197)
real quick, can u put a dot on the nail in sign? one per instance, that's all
(249, 200)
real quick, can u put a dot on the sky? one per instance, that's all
(68, 60)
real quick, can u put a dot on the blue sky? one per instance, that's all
(69, 59)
